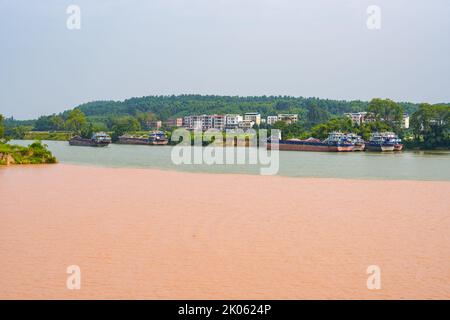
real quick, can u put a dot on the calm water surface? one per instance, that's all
(409, 165)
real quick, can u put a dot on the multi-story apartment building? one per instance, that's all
(288, 118)
(366, 117)
(218, 122)
(204, 122)
(405, 122)
(154, 124)
(232, 121)
(271, 120)
(253, 116)
(174, 122)
(246, 124)
(360, 117)
(192, 122)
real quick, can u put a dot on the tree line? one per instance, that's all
(429, 123)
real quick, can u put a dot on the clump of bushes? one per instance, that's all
(35, 153)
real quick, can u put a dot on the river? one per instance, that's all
(406, 165)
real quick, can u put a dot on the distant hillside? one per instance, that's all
(165, 107)
(177, 106)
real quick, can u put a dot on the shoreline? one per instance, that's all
(406, 148)
(225, 174)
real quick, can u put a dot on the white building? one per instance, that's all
(232, 121)
(288, 118)
(271, 120)
(360, 117)
(218, 122)
(366, 117)
(246, 124)
(253, 116)
(204, 122)
(192, 122)
(405, 122)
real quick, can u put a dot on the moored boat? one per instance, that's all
(359, 143)
(154, 138)
(378, 142)
(129, 139)
(393, 138)
(335, 142)
(99, 139)
(158, 138)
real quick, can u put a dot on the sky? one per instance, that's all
(133, 48)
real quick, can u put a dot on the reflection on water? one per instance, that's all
(409, 165)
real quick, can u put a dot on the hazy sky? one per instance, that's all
(129, 48)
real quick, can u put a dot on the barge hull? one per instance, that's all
(283, 146)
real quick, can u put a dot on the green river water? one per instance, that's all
(406, 165)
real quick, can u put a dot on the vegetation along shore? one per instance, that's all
(35, 153)
(427, 125)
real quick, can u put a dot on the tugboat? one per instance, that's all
(379, 143)
(99, 139)
(158, 138)
(359, 143)
(393, 138)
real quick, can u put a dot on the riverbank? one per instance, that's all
(35, 153)
(355, 165)
(143, 233)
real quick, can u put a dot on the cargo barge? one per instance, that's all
(154, 138)
(99, 139)
(336, 142)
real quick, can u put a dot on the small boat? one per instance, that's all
(359, 143)
(99, 139)
(378, 142)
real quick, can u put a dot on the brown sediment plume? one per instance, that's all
(141, 233)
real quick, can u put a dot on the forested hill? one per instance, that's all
(177, 106)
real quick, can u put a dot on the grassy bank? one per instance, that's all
(35, 153)
(46, 135)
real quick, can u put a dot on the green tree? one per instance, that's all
(322, 130)
(2, 127)
(388, 111)
(124, 124)
(316, 114)
(43, 124)
(366, 129)
(17, 132)
(57, 122)
(144, 117)
(430, 126)
(76, 121)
